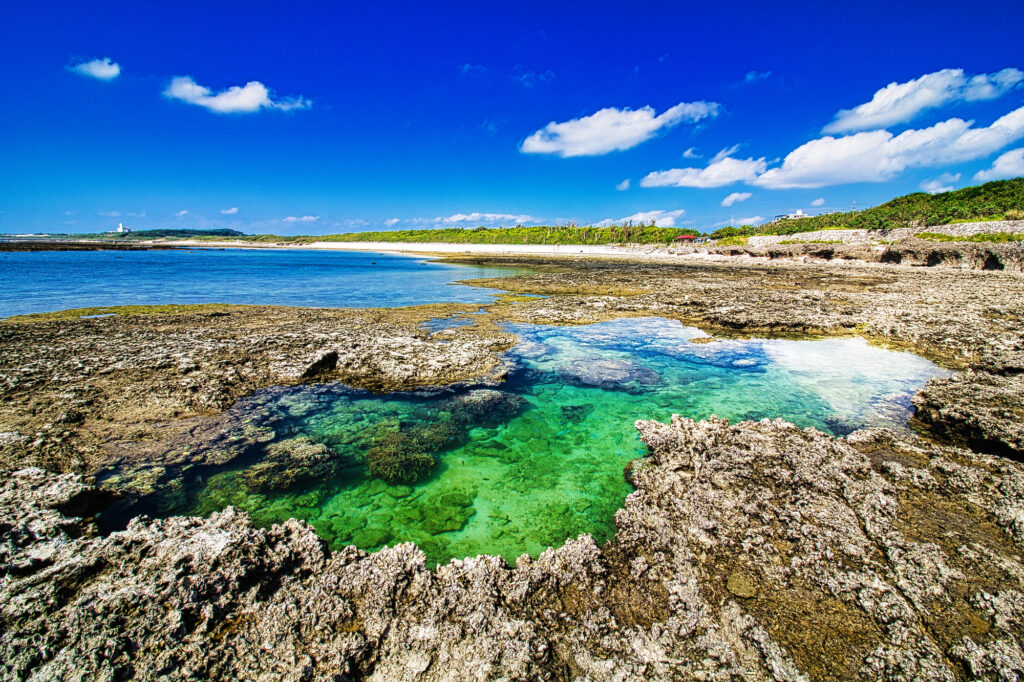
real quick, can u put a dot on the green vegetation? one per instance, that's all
(999, 200)
(994, 237)
(811, 241)
(563, 234)
(733, 240)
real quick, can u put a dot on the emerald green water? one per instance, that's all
(541, 459)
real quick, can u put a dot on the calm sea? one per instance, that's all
(45, 281)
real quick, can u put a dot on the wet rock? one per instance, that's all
(575, 414)
(483, 407)
(289, 462)
(610, 374)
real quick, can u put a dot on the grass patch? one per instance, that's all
(734, 240)
(811, 241)
(984, 238)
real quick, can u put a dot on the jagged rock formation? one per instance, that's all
(757, 550)
(754, 551)
(909, 251)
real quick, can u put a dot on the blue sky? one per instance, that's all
(327, 117)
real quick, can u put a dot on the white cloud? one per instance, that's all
(1009, 165)
(100, 69)
(691, 153)
(623, 186)
(302, 219)
(728, 151)
(878, 155)
(468, 69)
(248, 98)
(229, 211)
(722, 171)
(530, 79)
(735, 198)
(749, 220)
(940, 184)
(755, 76)
(391, 222)
(182, 213)
(110, 214)
(901, 102)
(476, 217)
(612, 129)
(820, 201)
(661, 218)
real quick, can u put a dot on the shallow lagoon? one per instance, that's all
(543, 459)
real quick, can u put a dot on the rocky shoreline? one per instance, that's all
(753, 550)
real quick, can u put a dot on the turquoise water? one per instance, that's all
(540, 459)
(46, 281)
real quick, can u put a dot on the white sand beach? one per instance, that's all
(443, 248)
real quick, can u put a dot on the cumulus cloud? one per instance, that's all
(623, 186)
(901, 102)
(940, 184)
(691, 153)
(612, 129)
(661, 218)
(721, 171)
(302, 219)
(477, 217)
(391, 222)
(735, 198)
(101, 69)
(755, 76)
(229, 211)
(820, 201)
(1008, 165)
(247, 98)
(878, 155)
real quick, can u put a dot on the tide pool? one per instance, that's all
(540, 459)
(46, 281)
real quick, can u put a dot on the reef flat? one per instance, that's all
(755, 550)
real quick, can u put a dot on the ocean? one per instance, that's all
(46, 281)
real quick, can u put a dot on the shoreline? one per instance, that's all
(440, 248)
(741, 529)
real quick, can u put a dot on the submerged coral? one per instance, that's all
(757, 551)
(397, 457)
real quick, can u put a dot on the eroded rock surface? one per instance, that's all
(70, 387)
(753, 551)
(756, 550)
